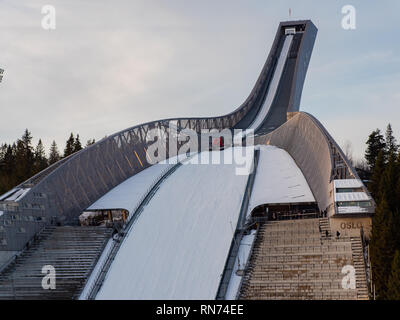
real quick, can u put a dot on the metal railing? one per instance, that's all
(238, 235)
(246, 267)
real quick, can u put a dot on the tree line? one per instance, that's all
(383, 158)
(21, 160)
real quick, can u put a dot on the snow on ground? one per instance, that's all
(178, 246)
(128, 194)
(278, 179)
(241, 260)
(273, 87)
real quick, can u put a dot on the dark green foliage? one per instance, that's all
(376, 176)
(90, 142)
(384, 186)
(20, 161)
(7, 167)
(41, 161)
(69, 146)
(54, 155)
(375, 144)
(77, 144)
(393, 292)
(391, 146)
(382, 248)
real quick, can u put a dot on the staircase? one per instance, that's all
(325, 228)
(294, 259)
(72, 251)
(359, 265)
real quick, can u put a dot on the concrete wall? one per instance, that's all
(351, 226)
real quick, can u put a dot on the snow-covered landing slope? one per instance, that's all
(178, 246)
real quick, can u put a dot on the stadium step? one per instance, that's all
(300, 259)
(72, 251)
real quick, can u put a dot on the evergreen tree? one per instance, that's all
(396, 199)
(389, 182)
(40, 157)
(397, 188)
(24, 157)
(90, 142)
(7, 168)
(374, 184)
(77, 144)
(69, 146)
(375, 144)
(391, 145)
(54, 154)
(393, 292)
(382, 247)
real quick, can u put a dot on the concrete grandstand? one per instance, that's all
(118, 221)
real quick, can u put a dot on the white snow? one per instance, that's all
(128, 194)
(347, 183)
(274, 84)
(178, 247)
(352, 209)
(278, 180)
(351, 196)
(243, 256)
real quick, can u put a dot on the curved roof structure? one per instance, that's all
(278, 180)
(129, 193)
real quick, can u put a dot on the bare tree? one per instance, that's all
(348, 151)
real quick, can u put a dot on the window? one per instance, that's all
(340, 190)
(354, 204)
(290, 30)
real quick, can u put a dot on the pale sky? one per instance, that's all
(110, 65)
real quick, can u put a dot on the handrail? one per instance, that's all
(248, 260)
(238, 235)
(96, 285)
(366, 265)
(15, 256)
(9, 261)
